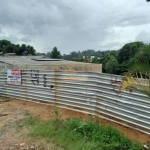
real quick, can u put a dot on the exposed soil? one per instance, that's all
(13, 110)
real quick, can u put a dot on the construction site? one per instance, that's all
(27, 62)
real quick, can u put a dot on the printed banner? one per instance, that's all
(14, 77)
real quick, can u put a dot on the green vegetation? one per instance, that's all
(138, 73)
(75, 134)
(114, 61)
(3, 98)
(112, 65)
(54, 53)
(79, 55)
(8, 47)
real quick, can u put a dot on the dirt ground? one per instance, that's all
(12, 110)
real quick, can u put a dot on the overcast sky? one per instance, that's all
(73, 25)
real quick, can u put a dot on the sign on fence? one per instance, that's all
(14, 77)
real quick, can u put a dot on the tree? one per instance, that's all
(95, 60)
(74, 54)
(8, 47)
(87, 59)
(33, 51)
(17, 49)
(48, 54)
(128, 51)
(114, 53)
(103, 60)
(98, 53)
(5, 46)
(89, 52)
(112, 65)
(23, 49)
(74, 59)
(55, 53)
(79, 54)
(138, 75)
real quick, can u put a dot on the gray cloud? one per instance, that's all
(26, 39)
(0, 30)
(11, 38)
(112, 45)
(143, 36)
(73, 25)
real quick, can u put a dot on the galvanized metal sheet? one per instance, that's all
(95, 93)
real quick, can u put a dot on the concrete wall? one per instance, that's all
(23, 62)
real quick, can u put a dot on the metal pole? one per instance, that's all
(26, 82)
(6, 79)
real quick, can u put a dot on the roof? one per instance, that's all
(34, 60)
(46, 59)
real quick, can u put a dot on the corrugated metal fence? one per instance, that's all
(94, 93)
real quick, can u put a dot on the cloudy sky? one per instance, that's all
(74, 25)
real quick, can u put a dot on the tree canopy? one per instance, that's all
(8, 47)
(128, 51)
(79, 54)
(112, 65)
(55, 53)
(138, 75)
(113, 61)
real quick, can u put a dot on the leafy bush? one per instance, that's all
(75, 134)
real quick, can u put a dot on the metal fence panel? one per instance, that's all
(95, 93)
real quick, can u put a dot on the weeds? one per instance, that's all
(27, 113)
(3, 98)
(56, 112)
(75, 134)
(58, 122)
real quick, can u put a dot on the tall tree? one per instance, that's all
(103, 60)
(128, 51)
(114, 53)
(5, 46)
(55, 53)
(33, 51)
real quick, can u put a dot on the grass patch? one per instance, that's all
(3, 98)
(75, 134)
